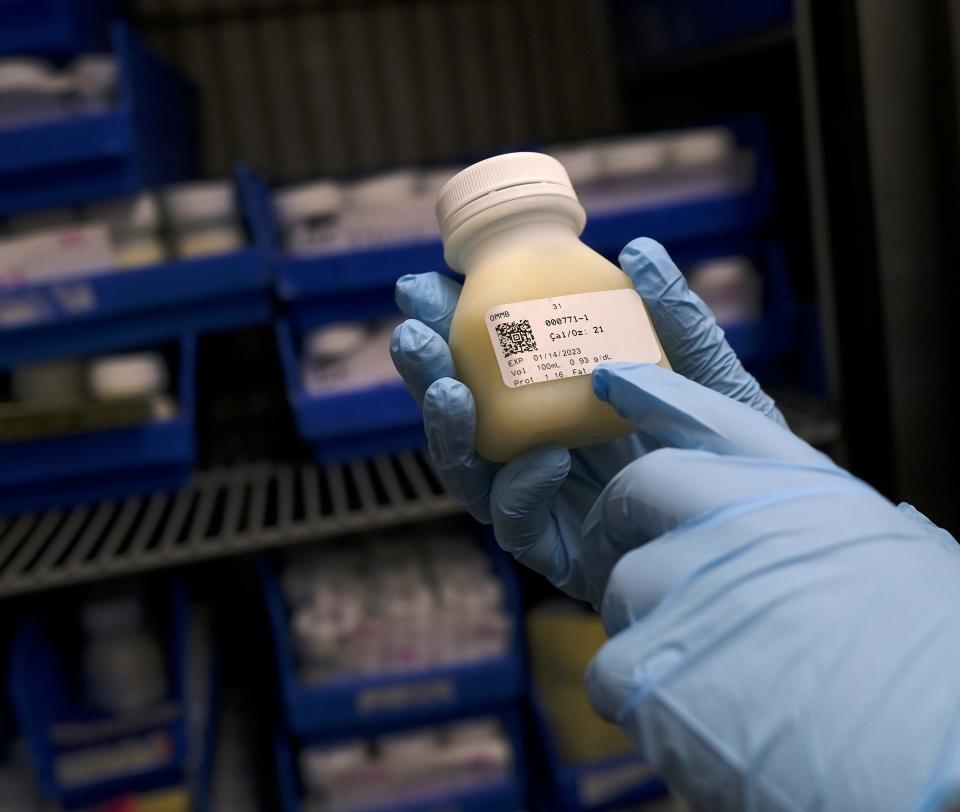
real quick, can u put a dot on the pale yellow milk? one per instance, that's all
(530, 261)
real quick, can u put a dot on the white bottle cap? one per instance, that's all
(639, 155)
(199, 201)
(140, 212)
(499, 180)
(389, 187)
(307, 201)
(127, 376)
(700, 147)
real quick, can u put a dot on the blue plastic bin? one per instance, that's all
(352, 424)
(345, 284)
(507, 796)
(107, 464)
(147, 139)
(371, 704)
(691, 220)
(760, 344)
(112, 310)
(43, 696)
(614, 783)
(56, 27)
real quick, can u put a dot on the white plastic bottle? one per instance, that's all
(539, 309)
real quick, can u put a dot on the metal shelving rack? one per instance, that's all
(224, 510)
(236, 508)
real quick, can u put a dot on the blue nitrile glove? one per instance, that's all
(782, 636)
(538, 501)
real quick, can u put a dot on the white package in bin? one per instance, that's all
(409, 766)
(31, 92)
(131, 375)
(204, 218)
(135, 224)
(730, 287)
(93, 79)
(395, 615)
(54, 254)
(306, 213)
(348, 356)
(582, 161)
(123, 663)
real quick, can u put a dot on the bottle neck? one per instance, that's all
(534, 229)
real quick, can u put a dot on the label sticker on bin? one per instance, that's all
(57, 253)
(543, 340)
(606, 785)
(401, 697)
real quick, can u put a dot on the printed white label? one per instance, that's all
(565, 336)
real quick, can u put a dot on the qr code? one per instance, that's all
(516, 337)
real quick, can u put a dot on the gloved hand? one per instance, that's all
(538, 501)
(782, 636)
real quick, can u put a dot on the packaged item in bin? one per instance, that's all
(31, 92)
(306, 214)
(132, 375)
(406, 767)
(385, 209)
(135, 224)
(656, 169)
(54, 253)
(700, 147)
(350, 355)
(730, 287)
(390, 607)
(93, 83)
(582, 162)
(70, 396)
(204, 217)
(123, 663)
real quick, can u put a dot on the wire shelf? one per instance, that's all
(223, 511)
(239, 507)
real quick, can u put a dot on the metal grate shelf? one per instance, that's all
(236, 508)
(223, 511)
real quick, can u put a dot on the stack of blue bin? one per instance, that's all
(146, 138)
(329, 287)
(347, 283)
(317, 714)
(82, 755)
